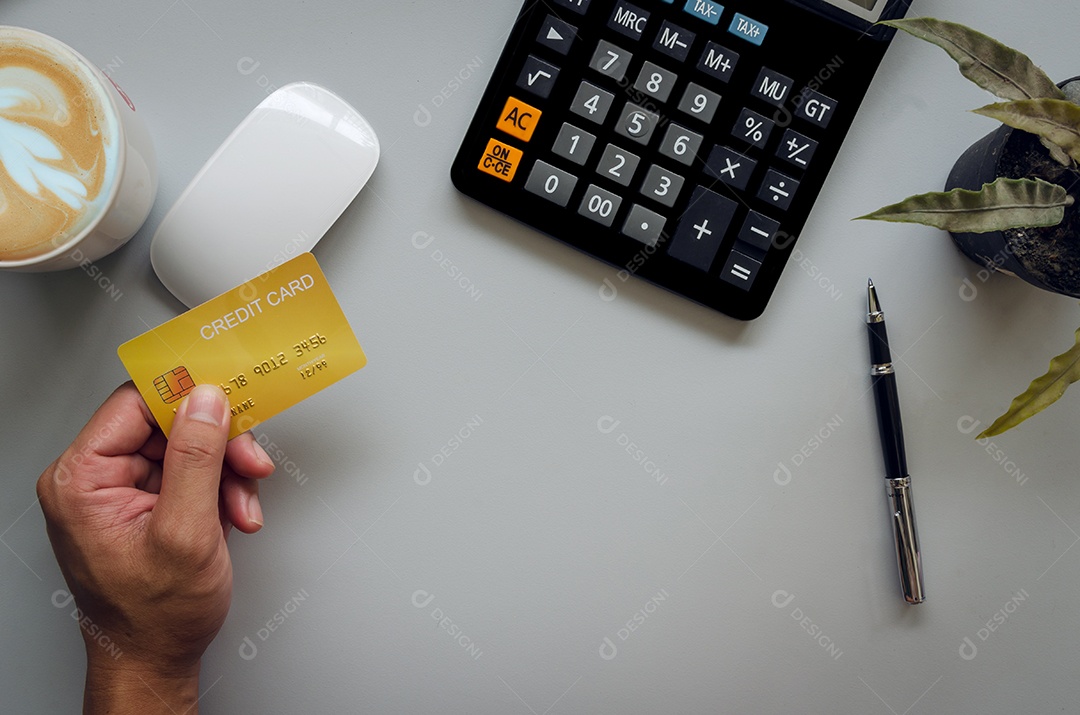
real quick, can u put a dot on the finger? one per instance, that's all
(152, 483)
(121, 426)
(242, 506)
(248, 458)
(191, 477)
(154, 447)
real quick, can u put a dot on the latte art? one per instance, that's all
(58, 150)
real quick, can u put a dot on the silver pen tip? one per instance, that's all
(872, 304)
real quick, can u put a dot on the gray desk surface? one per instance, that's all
(723, 587)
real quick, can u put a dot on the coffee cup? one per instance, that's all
(78, 174)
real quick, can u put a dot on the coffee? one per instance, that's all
(59, 145)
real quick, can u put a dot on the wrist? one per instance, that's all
(128, 686)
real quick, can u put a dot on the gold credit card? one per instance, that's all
(269, 343)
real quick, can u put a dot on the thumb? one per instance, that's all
(188, 501)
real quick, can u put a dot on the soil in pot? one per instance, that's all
(1051, 255)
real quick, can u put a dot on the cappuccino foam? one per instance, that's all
(58, 146)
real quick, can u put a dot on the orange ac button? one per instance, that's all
(500, 160)
(519, 119)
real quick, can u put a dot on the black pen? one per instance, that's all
(897, 479)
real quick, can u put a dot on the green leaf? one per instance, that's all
(985, 61)
(1004, 204)
(1059, 155)
(1043, 391)
(1056, 120)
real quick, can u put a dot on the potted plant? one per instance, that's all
(1007, 202)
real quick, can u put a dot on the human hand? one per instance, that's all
(138, 524)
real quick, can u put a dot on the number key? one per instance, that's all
(637, 123)
(610, 60)
(618, 165)
(599, 205)
(680, 144)
(699, 102)
(592, 103)
(573, 144)
(550, 183)
(662, 185)
(655, 81)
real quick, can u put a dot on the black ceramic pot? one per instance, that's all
(1048, 258)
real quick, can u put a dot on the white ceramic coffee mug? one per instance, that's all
(94, 207)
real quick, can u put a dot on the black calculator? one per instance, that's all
(681, 141)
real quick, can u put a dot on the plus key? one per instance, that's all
(702, 228)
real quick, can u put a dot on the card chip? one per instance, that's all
(173, 385)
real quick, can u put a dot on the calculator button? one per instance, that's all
(778, 189)
(702, 228)
(750, 30)
(519, 119)
(637, 123)
(500, 160)
(680, 144)
(796, 148)
(578, 6)
(628, 19)
(708, 11)
(655, 81)
(538, 76)
(772, 86)
(730, 166)
(758, 231)
(753, 128)
(740, 270)
(618, 165)
(599, 205)
(557, 34)
(699, 102)
(662, 185)
(610, 60)
(718, 61)
(644, 225)
(815, 107)
(592, 103)
(674, 41)
(550, 183)
(573, 144)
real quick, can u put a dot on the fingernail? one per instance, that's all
(260, 454)
(254, 509)
(206, 403)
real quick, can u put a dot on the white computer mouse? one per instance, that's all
(267, 194)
